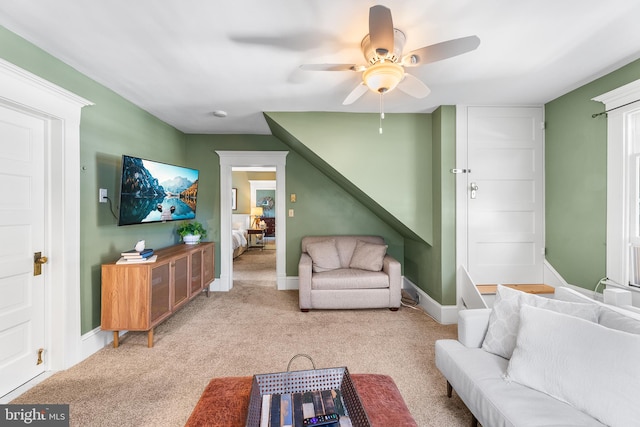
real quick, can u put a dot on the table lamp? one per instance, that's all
(256, 213)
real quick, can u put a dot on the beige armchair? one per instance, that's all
(348, 272)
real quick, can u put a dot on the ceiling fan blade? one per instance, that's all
(413, 86)
(295, 41)
(381, 30)
(330, 67)
(440, 51)
(356, 93)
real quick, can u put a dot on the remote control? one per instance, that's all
(321, 420)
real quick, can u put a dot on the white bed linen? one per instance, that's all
(238, 239)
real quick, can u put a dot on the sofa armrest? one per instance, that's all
(472, 326)
(304, 280)
(393, 268)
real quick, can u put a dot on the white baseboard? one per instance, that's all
(95, 340)
(551, 277)
(217, 286)
(444, 314)
(291, 283)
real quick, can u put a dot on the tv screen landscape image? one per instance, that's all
(156, 192)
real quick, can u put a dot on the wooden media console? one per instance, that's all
(138, 296)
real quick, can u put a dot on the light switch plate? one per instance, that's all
(290, 212)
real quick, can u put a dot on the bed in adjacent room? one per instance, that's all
(239, 235)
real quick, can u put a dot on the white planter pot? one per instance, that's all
(190, 239)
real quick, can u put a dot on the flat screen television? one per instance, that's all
(156, 192)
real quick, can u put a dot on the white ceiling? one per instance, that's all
(181, 60)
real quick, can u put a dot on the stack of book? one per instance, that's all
(313, 408)
(133, 256)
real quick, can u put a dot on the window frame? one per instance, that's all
(622, 179)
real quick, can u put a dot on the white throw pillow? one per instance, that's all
(587, 365)
(505, 317)
(324, 256)
(368, 256)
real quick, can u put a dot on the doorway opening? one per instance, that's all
(276, 160)
(254, 226)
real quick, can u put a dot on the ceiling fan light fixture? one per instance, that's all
(383, 76)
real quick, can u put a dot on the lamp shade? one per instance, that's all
(256, 211)
(383, 76)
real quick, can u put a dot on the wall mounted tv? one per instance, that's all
(156, 192)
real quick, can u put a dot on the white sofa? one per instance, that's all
(347, 272)
(563, 370)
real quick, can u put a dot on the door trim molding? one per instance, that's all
(461, 196)
(32, 94)
(228, 159)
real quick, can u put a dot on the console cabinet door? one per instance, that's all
(180, 281)
(160, 292)
(196, 272)
(208, 271)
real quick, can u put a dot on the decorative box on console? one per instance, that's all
(297, 383)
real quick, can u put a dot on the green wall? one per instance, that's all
(576, 179)
(108, 129)
(393, 169)
(433, 267)
(322, 206)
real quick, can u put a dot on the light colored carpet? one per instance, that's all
(250, 330)
(255, 267)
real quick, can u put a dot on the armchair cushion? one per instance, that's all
(368, 256)
(349, 278)
(324, 255)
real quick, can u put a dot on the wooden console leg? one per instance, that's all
(115, 339)
(150, 338)
(449, 389)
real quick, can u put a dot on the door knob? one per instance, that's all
(474, 188)
(38, 260)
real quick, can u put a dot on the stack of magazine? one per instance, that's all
(133, 256)
(313, 408)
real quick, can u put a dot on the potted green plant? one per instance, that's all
(191, 232)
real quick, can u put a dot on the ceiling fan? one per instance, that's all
(385, 68)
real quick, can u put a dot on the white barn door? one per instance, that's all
(502, 193)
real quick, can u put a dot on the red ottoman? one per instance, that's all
(225, 402)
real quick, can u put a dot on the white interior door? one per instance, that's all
(505, 209)
(22, 296)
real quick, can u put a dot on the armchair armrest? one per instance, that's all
(472, 326)
(304, 280)
(394, 270)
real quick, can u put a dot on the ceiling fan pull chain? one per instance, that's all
(381, 113)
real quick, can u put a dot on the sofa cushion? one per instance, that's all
(368, 256)
(505, 317)
(477, 377)
(349, 278)
(324, 255)
(611, 318)
(558, 355)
